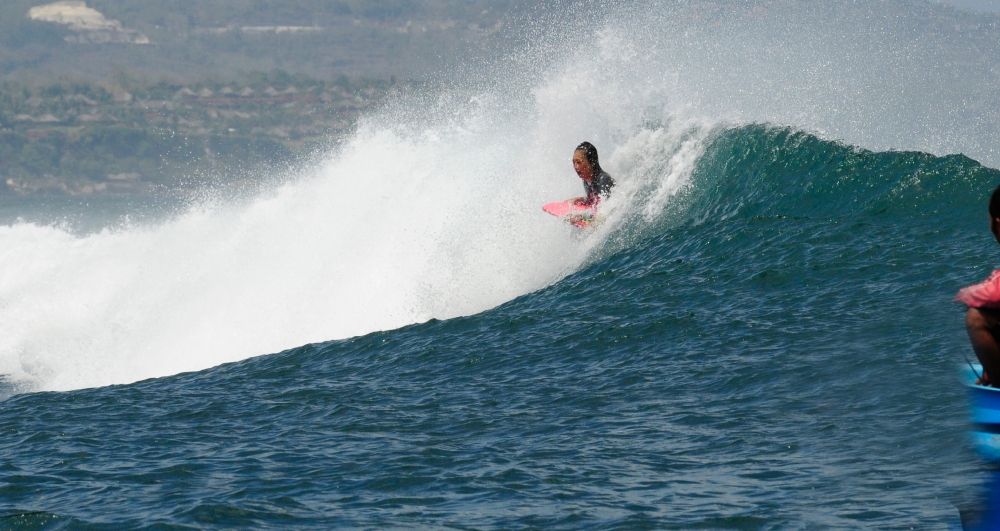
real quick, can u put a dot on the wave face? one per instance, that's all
(759, 336)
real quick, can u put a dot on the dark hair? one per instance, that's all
(995, 203)
(590, 153)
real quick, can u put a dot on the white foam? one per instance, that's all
(396, 228)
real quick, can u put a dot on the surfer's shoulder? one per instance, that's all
(606, 179)
(603, 183)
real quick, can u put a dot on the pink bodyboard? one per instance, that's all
(563, 209)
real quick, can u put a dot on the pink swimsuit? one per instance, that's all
(986, 294)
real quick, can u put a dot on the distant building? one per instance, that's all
(89, 24)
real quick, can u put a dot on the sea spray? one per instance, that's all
(397, 227)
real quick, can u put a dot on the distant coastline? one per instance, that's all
(113, 97)
(82, 138)
(110, 97)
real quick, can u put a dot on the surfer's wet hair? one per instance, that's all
(590, 153)
(995, 203)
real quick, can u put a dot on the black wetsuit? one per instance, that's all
(598, 188)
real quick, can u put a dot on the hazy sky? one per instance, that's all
(978, 5)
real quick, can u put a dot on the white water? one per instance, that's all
(434, 212)
(396, 228)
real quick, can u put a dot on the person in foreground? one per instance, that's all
(597, 183)
(983, 315)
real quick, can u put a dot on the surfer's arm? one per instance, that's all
(981, 324)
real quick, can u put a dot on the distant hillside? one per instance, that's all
(116, 96)
(84, 138)
(191, 40)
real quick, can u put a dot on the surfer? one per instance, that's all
(983, 315)
(581, 212)
(597, 183)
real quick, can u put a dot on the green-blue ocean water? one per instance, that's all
(783, 357)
